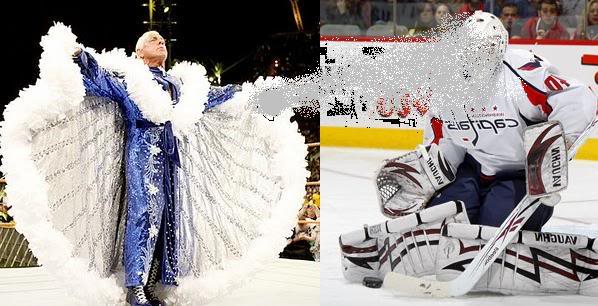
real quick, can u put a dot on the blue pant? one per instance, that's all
(490, 200)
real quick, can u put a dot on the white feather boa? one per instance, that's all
(153, 102)
(59, 90)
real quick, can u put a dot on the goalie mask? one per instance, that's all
(485, 42)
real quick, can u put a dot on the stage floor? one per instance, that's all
(284, 282)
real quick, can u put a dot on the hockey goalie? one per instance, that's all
(448, 197)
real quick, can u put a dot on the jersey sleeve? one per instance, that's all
(552, 96)
(435, 132)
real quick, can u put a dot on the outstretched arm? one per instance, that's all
(218, 95)
(552, 96)
(98, 81)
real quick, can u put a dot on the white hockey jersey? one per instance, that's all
(493, 134)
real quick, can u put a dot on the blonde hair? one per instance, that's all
(584, 22)
(587, 15)
(143, 39)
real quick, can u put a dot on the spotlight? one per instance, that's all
(166, 9)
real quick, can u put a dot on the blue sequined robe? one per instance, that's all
(151, 159)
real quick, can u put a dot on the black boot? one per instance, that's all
(152, 281)
(136, 297)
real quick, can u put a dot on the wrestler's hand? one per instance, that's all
(77, 52)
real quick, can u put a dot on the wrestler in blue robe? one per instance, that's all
(151, 158)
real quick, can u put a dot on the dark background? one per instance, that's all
(245, 36)
(207, 32)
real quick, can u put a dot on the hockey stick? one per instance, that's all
(554, 147)
(582, 138)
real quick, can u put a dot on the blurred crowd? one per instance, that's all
(290, 55)
(308, 123)
(287, 55)
(525, 19)
(304, 242)
(5, 217)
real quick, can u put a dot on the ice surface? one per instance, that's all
(349, 201)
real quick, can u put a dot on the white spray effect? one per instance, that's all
(453, 67)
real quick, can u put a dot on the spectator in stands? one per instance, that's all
(342, 12)
(510, 19)
(524, 7)
(470, 6)
(425, 19)
(310, 232)
(364, 11)
(443, 13)
(533, 6)
(324, 4)
(546, 25)
(316, 198)
(315, 243)
(571, 10)
(309, 211)
(380, 12)
(588, 27)
(312, 189)
(304, 243)
(4, 216)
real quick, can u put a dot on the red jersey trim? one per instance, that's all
(437, 129)
(536, 97)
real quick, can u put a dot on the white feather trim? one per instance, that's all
(59, 89)
(153, 102)
(114, 60)
(290, 160)
(194, 95)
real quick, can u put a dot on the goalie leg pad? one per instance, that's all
(360, 260)
(413, 251)
(410, 247)
(537, 263)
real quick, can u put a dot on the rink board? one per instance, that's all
(404, 139)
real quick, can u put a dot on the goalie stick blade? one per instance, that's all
(401, 284)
